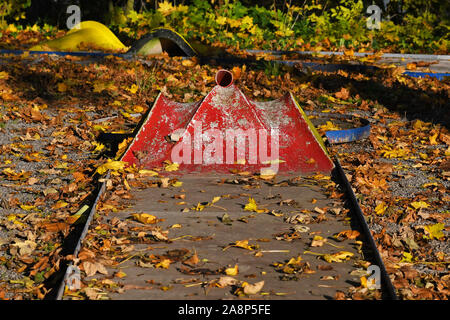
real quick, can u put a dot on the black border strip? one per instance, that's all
(87, 224)
(386, 281)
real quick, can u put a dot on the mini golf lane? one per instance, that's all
(203, 232)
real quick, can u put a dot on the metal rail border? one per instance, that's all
(86, 226)
(386, 281)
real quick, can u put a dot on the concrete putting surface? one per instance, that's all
(293, 216)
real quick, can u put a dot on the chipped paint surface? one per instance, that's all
(226, 123)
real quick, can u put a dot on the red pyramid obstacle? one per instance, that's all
(227, 131)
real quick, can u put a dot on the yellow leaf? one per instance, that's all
(122, 147)
(221, 20)
(407, 257)
(251, 205)
(165, 8)
(349, 53)
(133, 89)
(232, 271)
(429, 184)
(433, 139)
(27, 208)
(166, 288)
(234, 23)
(26, 282)
(60, 204)
(99, 86)
(337, 257)
(318, 241)
(199, 207)
(11, 28)
(243, 244)
(4, 75)
(62, 87)
(145, 218)
(371, 285)
(177, 184)
(187, 63)
(165, 263)
(363, 282)
(125, 183)
(138, 109)
(329, 126)
(146, 172)
(215, 199)
(295, 260)
(419, 204)
(380, 208)
(435, 231)
(171, 166)
(98, 146)
(111, 165)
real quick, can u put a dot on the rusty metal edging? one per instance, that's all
(90, 216)
(386, 281)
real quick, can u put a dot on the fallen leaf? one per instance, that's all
(164, 263)
(380, 208)
(348, 234)
(145, 218)
(146, 172)
(232, 271)
(226, 219)
(192, 261)
(111, 165)
(434, 231)
(242, 244)
(318, 241)
(169, 166)
(251, 206)
(253, 288)
(419, 205)
(23, 248)
(91, 268)
(337, 257)
(226, 281)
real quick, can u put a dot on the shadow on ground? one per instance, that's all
(425, 105)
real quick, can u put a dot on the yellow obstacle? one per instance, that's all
(90, 34)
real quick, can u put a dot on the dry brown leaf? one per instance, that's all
(192, 261)
(253, 288)
(91, 268)
(227, 281)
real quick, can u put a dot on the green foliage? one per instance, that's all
(407, 26)
(312, 26)
(12, 9)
